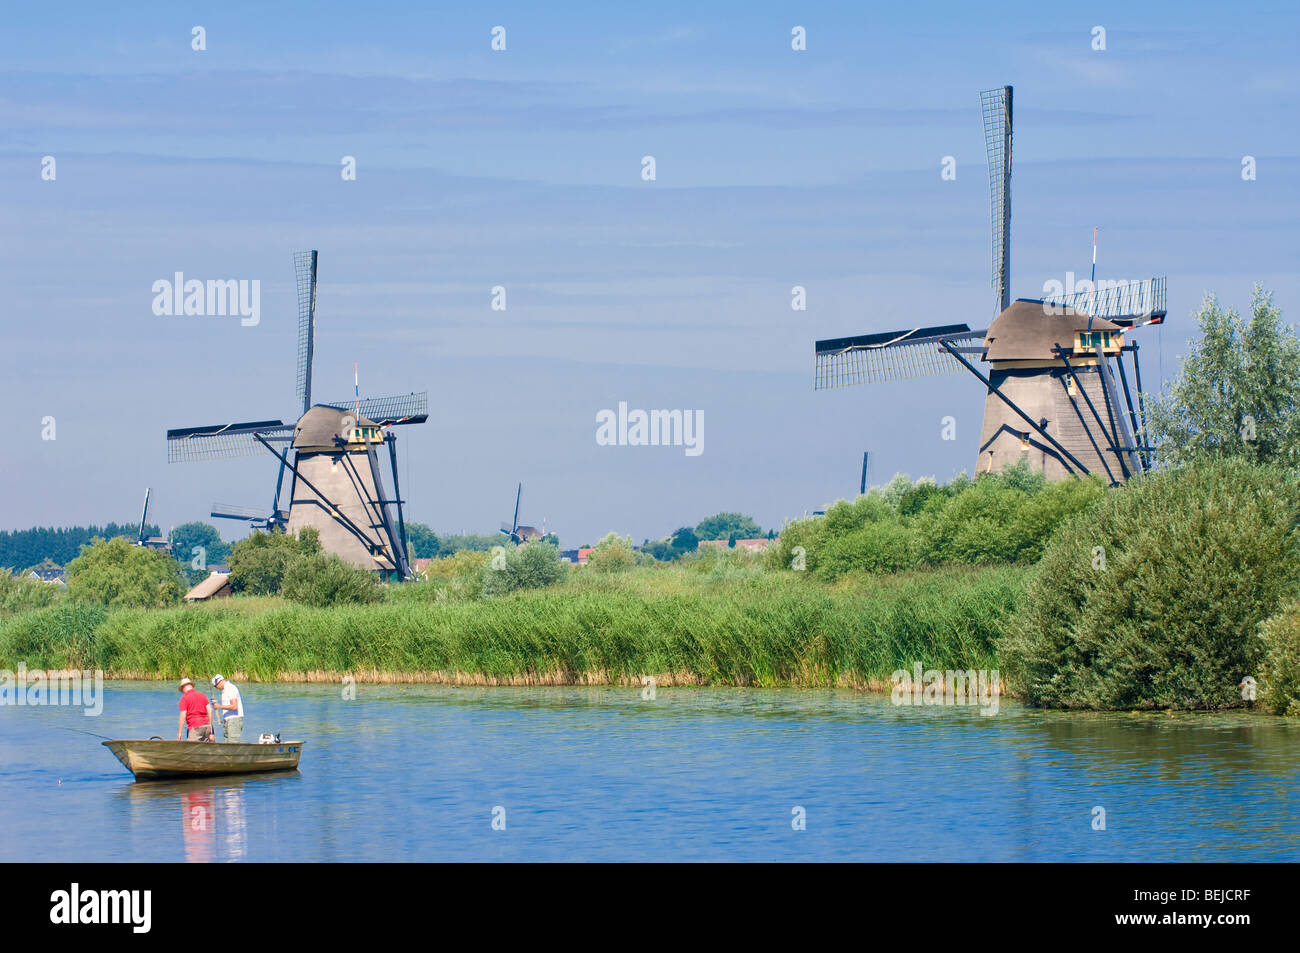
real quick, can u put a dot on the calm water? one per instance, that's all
(414, 773)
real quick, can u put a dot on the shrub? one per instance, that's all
(1279, 683)
(116, 573)
(1152, 598)
(462, 563)
(612, 554)
(18, 593)
(326, 580)
(878, 548)
(534, 565)
(258, 563)
(1004, 518)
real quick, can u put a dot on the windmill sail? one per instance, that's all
(220, 441)
(304, 266)
(144, 515)
(232, 511)
(891, 356)
(996, 107)
(1128, 303)
(386, 411)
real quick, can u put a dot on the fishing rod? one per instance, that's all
(85, 732)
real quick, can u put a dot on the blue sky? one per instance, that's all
(522, 168)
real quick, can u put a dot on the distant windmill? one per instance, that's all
(520, 534)
(1053, 397)
(153, 542)
(337, 484)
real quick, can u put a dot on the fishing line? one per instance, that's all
(85, 732)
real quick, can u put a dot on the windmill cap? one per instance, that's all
(1025, 332)
(321, 426)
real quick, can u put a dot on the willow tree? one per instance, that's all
(1237, 392)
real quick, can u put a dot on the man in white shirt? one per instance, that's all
(231, 702)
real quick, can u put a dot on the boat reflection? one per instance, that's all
(212, 815)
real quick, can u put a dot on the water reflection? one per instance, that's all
(211, 811)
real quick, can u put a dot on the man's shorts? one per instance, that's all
(201, 733)
(232, 728)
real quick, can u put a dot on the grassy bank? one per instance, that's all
(735, 627)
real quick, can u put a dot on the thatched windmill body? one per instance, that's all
(1057, 390)
(331, 453)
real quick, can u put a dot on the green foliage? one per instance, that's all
(612, 554)
(20, 593)
(458, 576)
(475, 542)
(215, 550)
(1242, 376)
(56, 637)
(320, 579)
(725, 525)
(680, 543)
(26, 547)
(1195, 558)
(258, 563)
(116, 573)
(423, 541)
(534, 565)
(1279, 682)
(466, 562)
(735, 626)
(1002, 518)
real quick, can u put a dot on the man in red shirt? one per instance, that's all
(196, 714)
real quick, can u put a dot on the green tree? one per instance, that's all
(113, 572)
(725, 525)
(27, 547)
(672, 547)
(258, 563)
(684, 541)
(424, 541)
(477, 542)
(204, 537)
(1237, 392)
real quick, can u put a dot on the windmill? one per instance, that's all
(520, 534)
(332, 454)
(1056, 363)
(152, 542)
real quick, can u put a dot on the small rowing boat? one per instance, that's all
(154, 759)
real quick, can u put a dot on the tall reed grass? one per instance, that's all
(727, 624)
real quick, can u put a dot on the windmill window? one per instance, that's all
(1024, 442)
(1070, 388)
(1087, 340)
